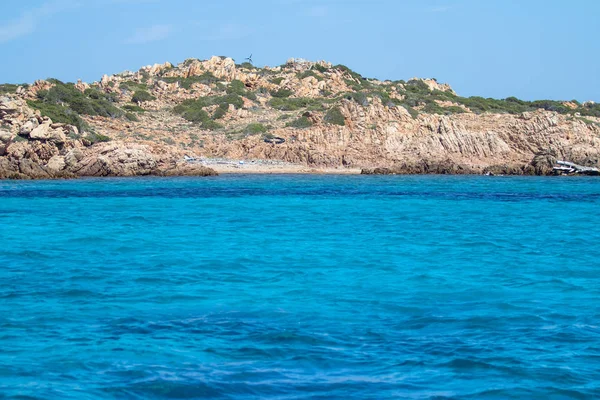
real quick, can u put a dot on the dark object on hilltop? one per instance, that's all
(274, 140)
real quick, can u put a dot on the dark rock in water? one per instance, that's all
(541, 164)
(376, 171)
(444, 167)
(187, 170)
(504, 169)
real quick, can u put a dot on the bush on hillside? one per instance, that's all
(207, 78)
(282, 93)
(293, 104)
(255, 128)
(302, 122)
(141, 96)
(307, 73)
(334, 116)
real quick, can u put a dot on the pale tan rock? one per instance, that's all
(56, 163)
(46, 132)
(81, 86)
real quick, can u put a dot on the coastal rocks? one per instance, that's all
(5, 139)
(541, 164)
(56, 164)
(73, 157)
(47, 132)
(5, 135)
(116, 160)
(443, 167)
(122, 159)
(185, 169)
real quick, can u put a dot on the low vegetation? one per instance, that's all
(193, 109)
(255, 128)
(335, 117)
(282, 93)
(237, 87)
(64, 103)
(133, 108)
(132, 86)
(302, 122)
(292, 104)
(307, 73)
(141, 96)
(10, 87)
(207, 78)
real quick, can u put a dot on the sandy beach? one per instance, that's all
(229, 166)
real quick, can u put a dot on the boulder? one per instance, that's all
(56, 164)
(4, 136)
(32, 169)
(73, 157)
(47, 133)
(28, 127)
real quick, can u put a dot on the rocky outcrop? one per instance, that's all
(377, 136)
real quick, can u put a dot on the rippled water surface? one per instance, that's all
(293, 287)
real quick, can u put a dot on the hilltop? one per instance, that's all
(306, 115)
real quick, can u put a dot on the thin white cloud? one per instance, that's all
(28, 22)
(151, 34)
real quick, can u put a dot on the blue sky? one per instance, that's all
(531, 49)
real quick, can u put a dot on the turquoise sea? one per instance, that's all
(300, 287)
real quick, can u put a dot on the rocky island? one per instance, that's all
(204, 117)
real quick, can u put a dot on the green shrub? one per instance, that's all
(360, 98)
(246, 65)
(278, 80)
(238, 87)
(64, 103)
(287, 104)
(334, 116)
(282, 93)
(196, 115)
(302, 122)
(133, 108)
(307, 73)
(94, 137)
(141, 95)
(347, 70)
(255, 128)
(320, 68)
(220, 111)
(192, 109)
(59, 113)
(11, 88)
(207, 78)
(211, 125)
(131, 117)
(132, 86)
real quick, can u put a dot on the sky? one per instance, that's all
(531, 49)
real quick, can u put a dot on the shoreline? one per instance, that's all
(278, 169)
